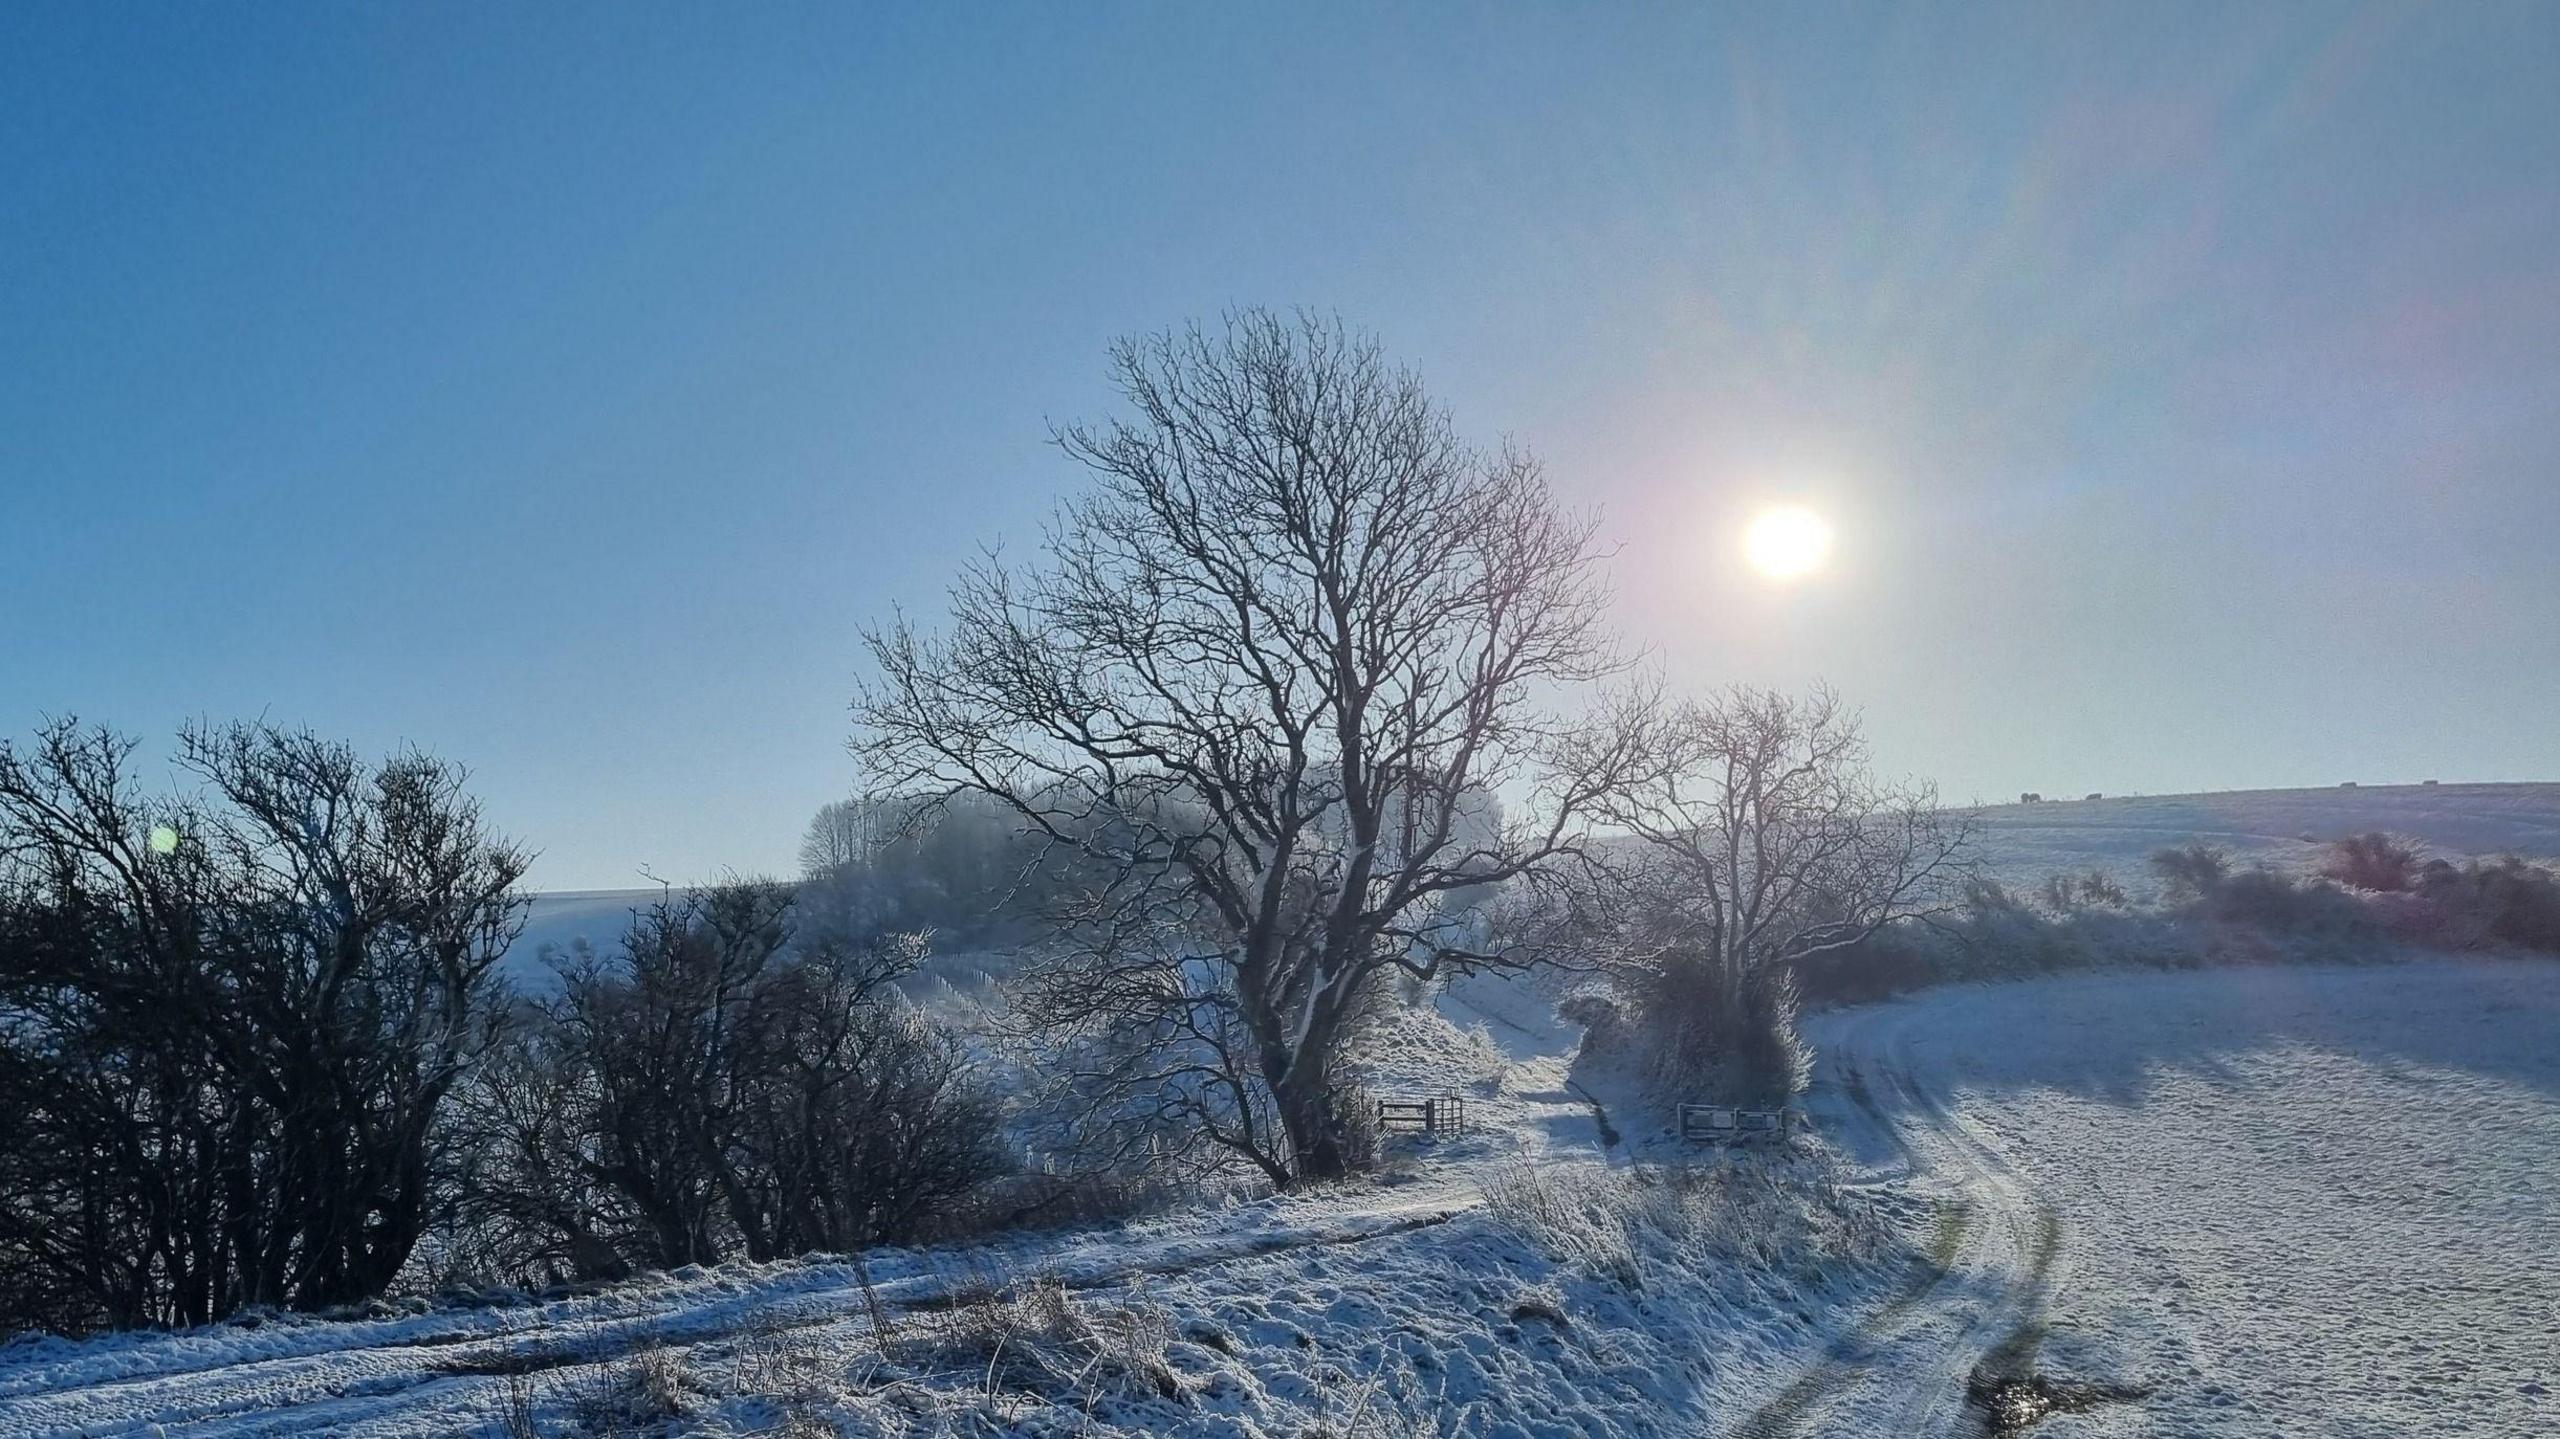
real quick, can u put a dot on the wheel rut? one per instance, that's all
(1955, 1341)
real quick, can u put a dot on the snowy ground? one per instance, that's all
(2229, 1202)
(1407, 1305)
(2285, 828)
(2276, 1201)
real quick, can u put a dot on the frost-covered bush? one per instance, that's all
(1482, 1066)
(1997, 934)
(1599, 1014)
(2071, 893)
(1700, 1038)
(1782, 1210)
(2372, 883)
(1679, 1034)
(1363, 1138)
(1889, 962)
(2506, 901)
(2200, 880)
(2278, 903)
(2373, 889)
(2190, 873)
(2377, 862)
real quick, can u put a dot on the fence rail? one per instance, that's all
(1730, 1124)
(1442, 1114)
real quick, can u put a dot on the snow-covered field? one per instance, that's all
(2022, 843)
(2274, 1201)
(2284, 828)
(2243, 1202)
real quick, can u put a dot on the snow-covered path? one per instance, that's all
(2279, 1201)
(391, 1375)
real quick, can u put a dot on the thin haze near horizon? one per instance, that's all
(561, 388)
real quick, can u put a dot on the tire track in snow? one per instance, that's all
(1780, 1416)
(1993, 1260)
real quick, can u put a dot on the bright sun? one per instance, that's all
(1787, 542)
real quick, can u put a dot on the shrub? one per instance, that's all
(230, 1031)
(2263, 899)
(1997, 935)
(1696, 1039)
(2214, 912)
(2191, 873)
(2374, 862)
(1894, 960)
(2200, 879)
(1602, 1019)
(2480, 903)
(1357, 1118)
(720, 1091)
(2070, 893)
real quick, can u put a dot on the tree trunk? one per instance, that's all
(1315, 1131)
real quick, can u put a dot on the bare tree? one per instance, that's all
(659, 1037)
(844, 832)
(1281, 655)
(723, 1085)
(1762, 840)
(228, 1025)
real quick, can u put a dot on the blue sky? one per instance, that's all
(562, 387)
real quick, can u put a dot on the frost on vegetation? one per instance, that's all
(1482, 1065)
(1787, 1214)
(1405, 1047)
(1039, 1336)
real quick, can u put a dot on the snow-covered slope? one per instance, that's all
(2022, 843)
(560, 918)
(2253, 1202)
(1423, 1303)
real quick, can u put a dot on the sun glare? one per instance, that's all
(1787, 542)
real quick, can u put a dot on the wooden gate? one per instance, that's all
(1446, 1114)
(1728, 1124)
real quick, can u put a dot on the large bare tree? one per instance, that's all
(1761, 838)
(1279, 658)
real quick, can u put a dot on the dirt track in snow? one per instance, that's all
(1990, 1264)
(355, 1376)
(2249, 1202)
